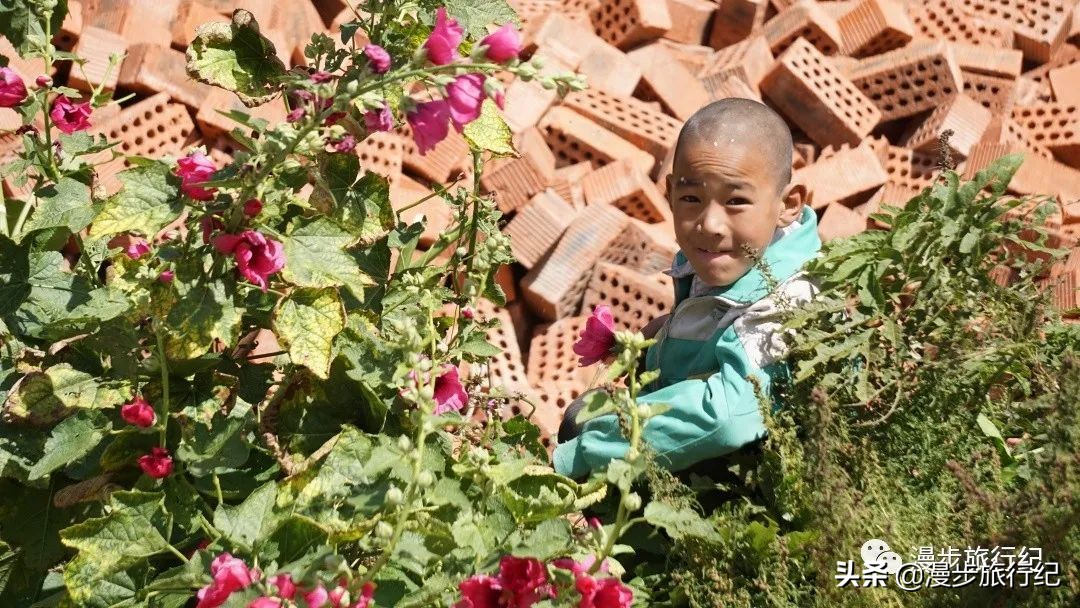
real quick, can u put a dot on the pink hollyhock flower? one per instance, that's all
(333, 118)
(465, 95)
(379, 120)
(526, 578)
(212, 596)
(286, 588)
(339, 597)
(138, 412)
(70, 117)
(503, 44)
(468, 313)
(604, 593)
(480, 591)
(257, 257)
(253, 207)
(430, 124)
(157, 463)
(232, 573)
(367, 594)
(321, 76)
(597, 338)
(295, 115)
(12, 88)
(378, 57)
(194, 169)
(450, 395)
(210, 224)
(43, 81)
(345, 144)
(137, 247)
(446, 36)
(265, 602)
(166, 276)
(317, 598)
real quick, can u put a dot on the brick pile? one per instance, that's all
(867, 87)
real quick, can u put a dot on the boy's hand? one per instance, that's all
(649, 331)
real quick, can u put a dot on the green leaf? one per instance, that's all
(236, 57)
(477, 345)
(65, 204)
(476, 15)
(249, 521)
(19, 451)
(317, 258)
(42, 397)
(295, 537)
(306, 322)
(490, 132)
(204, 313)
(149, 199)
(218, 446)
(88, 588)
(72, 439)
(134, 530)
(597, 403)
(23, 23)
(365, 209)
(679, 523)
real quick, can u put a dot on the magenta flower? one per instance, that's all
(444, 40)
(286, 588)
(317, 598)
(321, 76)
(137, 247)
(525, 578)
(480, 591)
(465, 96)
(253, 207)
(604, 593)
(194, 169)
(379, 120)
(138, 412)
(257, 257)
(598, 337)
(230, 574)
(265, 602)
(12, 88)
(166, 276)
(378, 58)
(503, 44)
(450, 395)
(367, 594)
(43, 81)
(209, 224)
(345, 144)
(295, 115)
(430, 124)
(70, 117)
(157, 463)
(468, 313)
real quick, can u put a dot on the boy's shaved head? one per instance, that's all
(743, 122)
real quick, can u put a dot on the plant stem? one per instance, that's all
(164, 366)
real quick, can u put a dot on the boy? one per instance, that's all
(732, 199)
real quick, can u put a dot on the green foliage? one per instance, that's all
(237, 58)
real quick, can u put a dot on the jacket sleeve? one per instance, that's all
(709, 417)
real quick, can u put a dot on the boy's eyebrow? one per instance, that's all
(690, 181)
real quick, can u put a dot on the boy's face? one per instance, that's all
(723, 199)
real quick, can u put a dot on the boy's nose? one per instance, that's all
(713, 221)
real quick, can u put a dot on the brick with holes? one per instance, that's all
(383, 153)
(626, 23)
(627, 187)
(538, 226)
(750, 59)
(561, 38)
(690, 20)
(692, 56)
(551, 401)
(634, 298)
(574, 138)
(735, 20)
(665, 80)
(962, 115)
(527, 102)
(816, 97)
(515, 181)
(992, 92)
(554, 288)
(1065, 82)
(946, 20)
(96, 46)
(444, 162)
(609, 69)
(911, 171)
(640, 247)
(907, 81)
(190, 14)
(149, 68)
(1037, 175)
(1040, 26)
(727, 84)
(840, 221)
(874, 26)
(212, 123)
(990, 61)
(803, 20)
(568, 183)
(843, 177)
(507, 369)
(1054, 125)
(1005, 130)
(628, 118)
(551, 359)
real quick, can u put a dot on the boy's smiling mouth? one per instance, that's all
(712, 254)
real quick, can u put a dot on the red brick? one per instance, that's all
(190, 14)
(382, 153)
(1005, 130)
(993, 93)
(297, 21)
(1065, 82)
(1065, 295)
(28, 69)
(946, 20)
(734, 20)
(554, 288)
(516, 181)
(561, 38)
(635, 122)
(750, 59)
(212, 123)
(1036, 175)
(568, 183)
(507, 369)
(991, 61)
(149, 21)
(874, 26)
(149, 68)
(1054, 125)
(962, 115)
(817, 98)
(806, 20)
(663, 79)
(839, 221)
(912, 171)
(693, 57)
(1040, 26)
(435, 211)
(626, 23)
(609, 69)
(843, 176)
(538, 226)
(628, 188)
(550, 401)
(527, 102)
(95, 46)
(634, 298)
(724, 85)
(345, 16)
(642, 248)
(574, 138)
(690, 20)
(528, 11)
(442, 163)
(551, 355)
(904, 82)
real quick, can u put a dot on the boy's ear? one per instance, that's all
(794, 196)
(667, 181)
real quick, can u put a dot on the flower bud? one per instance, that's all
(394, 496)
(384, 530)
(43, 81)
(425, 479)
(404, 443)
(461, 252)
(631, 502)
(548, 84)
(643, 411)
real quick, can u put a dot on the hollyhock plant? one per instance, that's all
(12, 88)
(446, 36)
(230, 574)
(286, 588)
(43, 81)
(138, 412)
(265, 602)
(317, 597)
(522, 581)
(295, 115)
(166, 276)
(503, 44)
(346, 144)
(137, 248)
(257, 257)
(210, 224)
(253, 207)
(70, 117)
(194, 169)
(597, 338)
(465, 95)
(378, 58)
(379, 120)
(480, 591)
(450, 395)
(430, 124)
(157, 464)
(321, 76)
(367, 596)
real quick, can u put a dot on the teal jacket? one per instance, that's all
(705, 352)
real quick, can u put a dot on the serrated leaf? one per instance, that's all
(65, 204)
(45, 396)
(306, 323)
(476, 15)
(236, 57)
(22, 22)
(148, 200)
(679, 523)
(219, 445)
(317, 257)
(249, 521)
(131, 532)
(72, 439)
(490, 132)
(205, 312)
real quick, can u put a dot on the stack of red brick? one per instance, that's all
(867, 86)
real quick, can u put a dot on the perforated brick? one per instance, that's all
(149, 68)
(1037, 175)
(561, 38)
(1066, 296)
(528, 11)
(568, 183)
(947, 20)
(1039, 76)
(634, 298)
(574, 138)
(527, 102)
(633, 121)
(750, 59)
(665, 80)
(1054, 125)
(551, 358)
(816, 97)
(551, 400)
(962, 115)
(95, 46)
(382, 153)
(626, 23)
(693, 57)
(843, 176)
(874, 26)
(993, 93)
(554, 288)
(610, 70)
(991, 61)
(537, 227)
(1065, 83)
(690, 20)
(840, 221)
(444, 162)
(1005, 130)
(639, 247)
(628, 188)
(904, 82)
(725, 85)
(149, 21)
(515, 181)
(153, 127)
(912, 171)
(805, 20)
(190, 14)
(507, 369)
(212, 123)
(1040, 26)
(435, 211)
(735, 20)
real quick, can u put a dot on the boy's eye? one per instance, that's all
(689, 198)
(739, 201)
